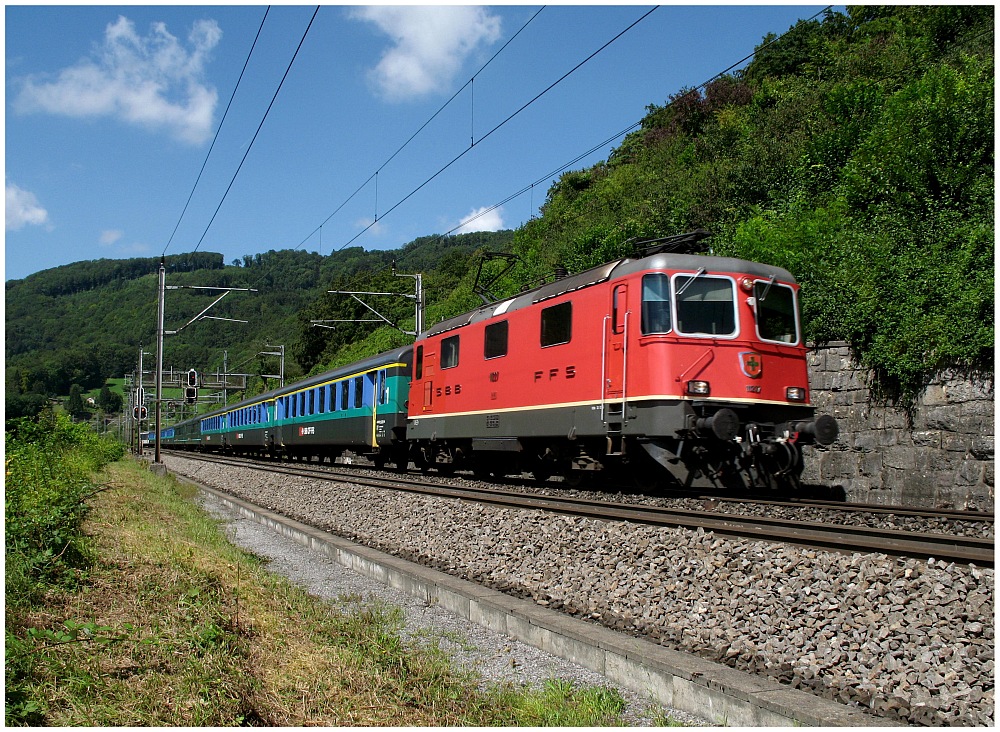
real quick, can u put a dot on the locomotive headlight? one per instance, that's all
(795, 393)
(699, 388)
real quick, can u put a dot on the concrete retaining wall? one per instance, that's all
(943, 458)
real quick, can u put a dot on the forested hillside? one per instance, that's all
(857, 151)
(83, 323)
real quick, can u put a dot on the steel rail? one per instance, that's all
(841, 538)
(953, 514)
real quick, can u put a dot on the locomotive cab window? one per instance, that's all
(418, 364)
(775, 308)
(705, 305)
(496, 340)
(449, 352)
(655, 304)
(557, 324)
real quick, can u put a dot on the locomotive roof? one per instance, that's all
(612, 271)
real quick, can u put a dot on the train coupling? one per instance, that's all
(824, 429)
(724, 424)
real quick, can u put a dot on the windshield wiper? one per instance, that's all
(763, 295)
(699, 273)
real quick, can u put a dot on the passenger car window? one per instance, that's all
(705, 305)
(496, 340)
(449, 352)
(655, 304)
(557, 324)
(775, 308)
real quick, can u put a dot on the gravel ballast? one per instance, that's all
(909, 640)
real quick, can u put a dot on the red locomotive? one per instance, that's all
(670, 365)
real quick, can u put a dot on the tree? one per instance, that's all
(74, 405)
(109, 401)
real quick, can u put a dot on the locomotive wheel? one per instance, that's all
(541, 474)
(482, 469)
(645, 477)
(578, 478)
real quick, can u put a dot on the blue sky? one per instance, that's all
(110, 113)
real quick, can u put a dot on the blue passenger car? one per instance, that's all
(359, 408)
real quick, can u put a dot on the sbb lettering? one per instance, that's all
(448, 390)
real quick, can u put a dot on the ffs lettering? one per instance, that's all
(568, 372)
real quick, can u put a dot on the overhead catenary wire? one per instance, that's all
(618, 135)
(217, 131)
(255, 134)
(497, 127)
(374, 176)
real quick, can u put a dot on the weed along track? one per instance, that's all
(905, 639)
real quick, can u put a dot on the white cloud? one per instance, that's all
(370, 226)
(151, 81)
(482, 219)
(431, 44)
(134, 248)
(23, 209)
(110, 236)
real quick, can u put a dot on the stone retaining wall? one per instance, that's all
(943, 459)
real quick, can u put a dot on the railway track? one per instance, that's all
(841, 538)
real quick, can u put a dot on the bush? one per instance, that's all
(48, 465)
(49, 462)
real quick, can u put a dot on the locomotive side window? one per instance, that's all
(449, 352)
(618, 309)
(705, 305)
(775, 308)
(496, 340)
(418, 364)
(557, 322)
(655, 304)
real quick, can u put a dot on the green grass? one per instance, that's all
(173, 625)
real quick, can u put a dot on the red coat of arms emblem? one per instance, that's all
(751, 364)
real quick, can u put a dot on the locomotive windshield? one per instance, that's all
(775, 307)
(706, 305)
